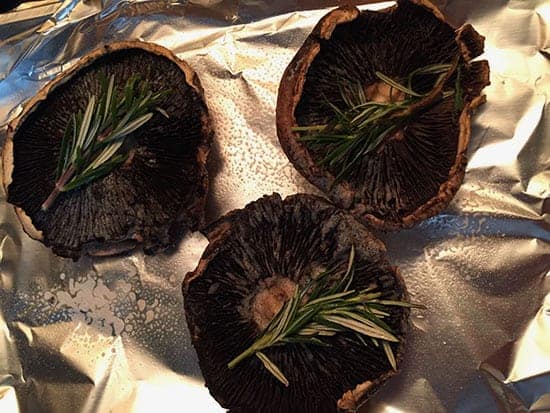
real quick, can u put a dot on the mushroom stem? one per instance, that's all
(59, 186)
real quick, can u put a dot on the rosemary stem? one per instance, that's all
(248, 352)
(105, 134)
(308, 128)
(259, 345)
(58, 188)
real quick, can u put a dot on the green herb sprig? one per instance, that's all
(360, 127)
(325, 307)
(90, 148)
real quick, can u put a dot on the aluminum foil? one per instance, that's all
(108, 335)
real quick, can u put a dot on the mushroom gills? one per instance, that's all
(256, 258)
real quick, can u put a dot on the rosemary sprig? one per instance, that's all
(90, 148)
(360, 127)
(324, 307)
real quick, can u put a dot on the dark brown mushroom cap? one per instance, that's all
(290, 238)
(150, 200)
(410, 176)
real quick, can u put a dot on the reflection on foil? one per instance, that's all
(520, 369)
(108, 335)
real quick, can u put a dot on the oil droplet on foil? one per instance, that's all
(111, 304)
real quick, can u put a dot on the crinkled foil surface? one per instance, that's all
(109, 335)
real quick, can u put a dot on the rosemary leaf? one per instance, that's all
(389, 354)
(362, 328)
(345, 281)
(129, 128)
(368, 146)
(458, 91)
(162, 112)
(380, 113)
(371, 319)
(94, 174)
(309, 128)
(63, 152)
(378, 313)
(128, 91)
(364, 115)
(273, 369)
(109, 97)
(309, 332)
(397, 85)
(318, 284)
(292, 314)
(448, 93)
(302, 320)
(361, 339)
(107, 153)
(400, 304)
(92, 132)
(314, 328)
(283, 321)
(327, 137)
(367, 295)
(305, 340)
(76, 125)
(86, 122)
(341, 115)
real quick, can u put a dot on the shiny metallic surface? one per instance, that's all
(109, 335)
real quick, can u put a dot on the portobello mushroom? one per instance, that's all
(375, 109)
(148, 191)
(304, 263)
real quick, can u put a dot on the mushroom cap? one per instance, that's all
(413, 174)
(150, 200)
(289, 238)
